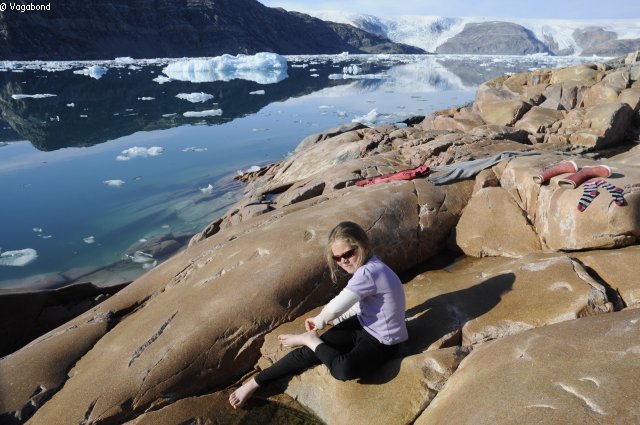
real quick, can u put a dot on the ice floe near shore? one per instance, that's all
(18, 258)
(262, 68)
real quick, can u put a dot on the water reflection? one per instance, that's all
(87, 111)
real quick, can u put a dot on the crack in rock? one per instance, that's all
(151, 340)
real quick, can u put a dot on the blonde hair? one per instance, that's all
(355, 236)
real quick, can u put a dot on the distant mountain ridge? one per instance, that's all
(486, 35)
(105, 29)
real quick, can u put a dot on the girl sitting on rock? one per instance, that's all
(358, 343)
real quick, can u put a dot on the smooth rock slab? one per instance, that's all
(578, 372)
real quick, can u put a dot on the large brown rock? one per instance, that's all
(586, 74)
(618, 269)
(577, 372)
(538, 119)
(492, 224)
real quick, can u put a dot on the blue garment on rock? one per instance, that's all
(468, 169)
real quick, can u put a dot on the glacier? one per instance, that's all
(429, 32)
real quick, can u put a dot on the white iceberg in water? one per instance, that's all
(195, 97)
(262, 68)
(161, 79)
(19, 258)
(140, 257)
(89, 239)
(207, 190)
(137, 151)
(257, 92)
(368, 119)
(208, 113)
(94, 71)
(114, 183)
(34, 96)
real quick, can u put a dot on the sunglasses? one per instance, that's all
(345, 255)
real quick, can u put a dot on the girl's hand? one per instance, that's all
(309, 325)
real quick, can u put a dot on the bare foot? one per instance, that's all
(310, 339)
(242, 394)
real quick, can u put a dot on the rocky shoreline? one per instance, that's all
(537, 324)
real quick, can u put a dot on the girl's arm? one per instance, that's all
(344, 301)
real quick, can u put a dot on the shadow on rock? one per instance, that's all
(438, 322)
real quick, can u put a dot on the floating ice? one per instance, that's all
(368, 119)
(89, 239)
(325, 107)
(19, 258)
(263, 68)
(140, 257)
(146, 98)
(208, 113)
(148, 266)
(137, 151)
(314, 75)
(207, 190)
(168, 115)
(252, 169)
(195, 97)
(352, 69)
(94, 71)
(194, 149)
(114, 183)
(257, 92)
(37, 229)
(71, 105)
(161, 79)
(34, 96)
(124, 60)
(358, 76)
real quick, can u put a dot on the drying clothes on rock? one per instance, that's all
(587, 172)
(561, 168)
(468, 169)
(401, 175)
(590, 192)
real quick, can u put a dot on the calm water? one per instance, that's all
(57, 152)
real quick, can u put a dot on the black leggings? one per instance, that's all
(347, 350)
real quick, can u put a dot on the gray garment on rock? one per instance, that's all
(468, 169)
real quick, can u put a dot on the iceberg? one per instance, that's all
(368, 119)
(19, 258)
(262, 68)
(34, 96)
(195, 97)
(89, 239)
(137, 151)
(208, 113)
(114, 183)
(94, 71)
(257, 92)
(207, 190)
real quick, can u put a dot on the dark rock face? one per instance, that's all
(493, 38)
(614, 48)
(590, 37)
(104, 29)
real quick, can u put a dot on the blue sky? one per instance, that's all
(540, 9)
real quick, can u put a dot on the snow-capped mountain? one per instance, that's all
(561, 37)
